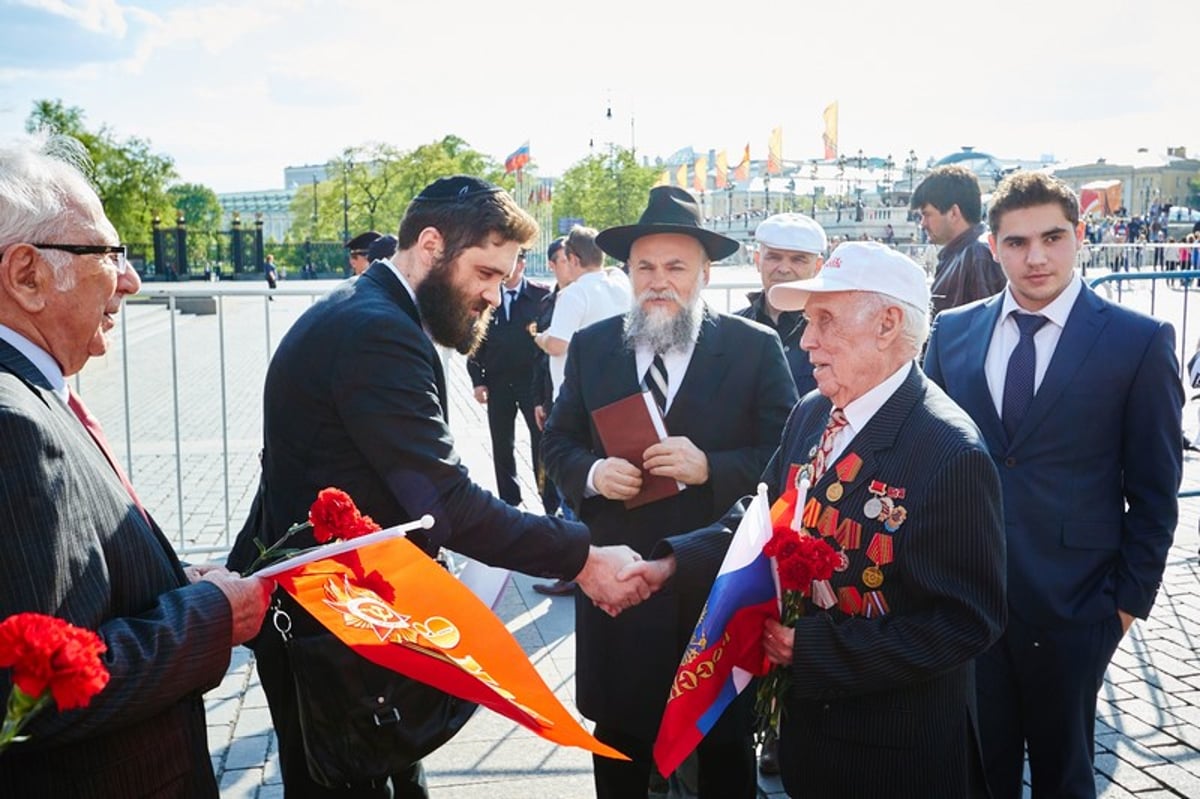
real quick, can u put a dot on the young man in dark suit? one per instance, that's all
(1079, 401)
(724, 390)
(501, 370)
(881, 699)
(355, 398)
(77, 542)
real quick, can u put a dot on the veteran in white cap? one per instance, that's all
(895, 478)
(790, 247)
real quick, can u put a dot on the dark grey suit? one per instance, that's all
(75, 546)
(884, 706)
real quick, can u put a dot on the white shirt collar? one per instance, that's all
(859, 411)
(1057, 311)
(39, 358)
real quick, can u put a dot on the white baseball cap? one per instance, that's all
(859, 266)
(792, 232)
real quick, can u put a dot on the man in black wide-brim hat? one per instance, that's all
(724, 391)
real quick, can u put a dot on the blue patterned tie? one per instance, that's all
(655, 382)
(1018, 382)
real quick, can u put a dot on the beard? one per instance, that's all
(659, 329)
(446, 310)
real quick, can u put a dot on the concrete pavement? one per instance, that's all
(1148, 733)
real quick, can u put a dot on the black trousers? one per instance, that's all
(725, 758)
(1037, 688)
(505, 400)
(273, 672)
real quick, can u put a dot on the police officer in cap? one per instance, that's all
(359, 247)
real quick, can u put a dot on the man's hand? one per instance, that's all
(248, 599)
(677, 457)
(617, 478)
(654, 573)
(539, 416)
(195, 571)
(600, 582)
(778, 642)
(481, 395)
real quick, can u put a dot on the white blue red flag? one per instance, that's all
(725, 652)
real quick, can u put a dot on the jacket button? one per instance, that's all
(1010, 462)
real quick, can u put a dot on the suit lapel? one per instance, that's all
(1079, 335)
(382, 275)
(976, 393)
(878, 435)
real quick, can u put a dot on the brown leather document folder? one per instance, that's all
(626, 429)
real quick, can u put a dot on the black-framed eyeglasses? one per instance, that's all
(120, 261)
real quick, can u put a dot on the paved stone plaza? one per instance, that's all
(1148, 734)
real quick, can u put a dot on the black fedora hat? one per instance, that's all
(670, 210)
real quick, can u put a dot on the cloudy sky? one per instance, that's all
(236, 91)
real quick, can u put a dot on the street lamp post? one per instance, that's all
(813, 174)
(767, 195)
(729, 203)
(345, 202)
(791, 187)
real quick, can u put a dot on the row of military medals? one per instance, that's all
(883, 506)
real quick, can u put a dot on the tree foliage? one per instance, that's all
(604, 189)
(129, 177)
(368, 186)
(198, 206)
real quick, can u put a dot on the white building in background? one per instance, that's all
(1146, 178)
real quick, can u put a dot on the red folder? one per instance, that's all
(626, 428)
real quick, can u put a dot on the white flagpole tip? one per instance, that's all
(426, 522)
(762, 489)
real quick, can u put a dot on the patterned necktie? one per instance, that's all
(837, 420)
(510, 296)
(655, 381)
(1018, 381)
(97, 433)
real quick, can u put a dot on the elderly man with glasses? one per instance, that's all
(77, 542)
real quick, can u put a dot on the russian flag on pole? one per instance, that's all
(726, 647)
(517, 159)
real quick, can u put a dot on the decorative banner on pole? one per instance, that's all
(831, 131)
(775, 152)
(517, 159)
(395, 606)
(681, 176)
(700, 176)
(742, 172)
(722, 176)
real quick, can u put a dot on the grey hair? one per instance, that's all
(913, 330)
(43, 191)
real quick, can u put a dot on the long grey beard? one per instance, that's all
(658, 330)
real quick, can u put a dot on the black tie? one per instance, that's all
(511, 295)
(1018, 382)
(655, 382)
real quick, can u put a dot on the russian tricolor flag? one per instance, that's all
(517, 159)
(726, 651)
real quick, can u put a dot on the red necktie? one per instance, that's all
(837, 420)
(97, 433)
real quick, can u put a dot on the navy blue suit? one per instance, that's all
(1090, 479)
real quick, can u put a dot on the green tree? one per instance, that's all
(370, 186)
(604, 189)
(129, 177)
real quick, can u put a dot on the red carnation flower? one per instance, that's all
(46, 653)
(334, 515)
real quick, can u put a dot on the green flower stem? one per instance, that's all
(773, 687)
(20, 709)
(268, 555)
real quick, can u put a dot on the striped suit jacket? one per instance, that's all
(73, 545)
(883, 705)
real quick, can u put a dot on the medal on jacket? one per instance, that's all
(880, 553)
(846, 470)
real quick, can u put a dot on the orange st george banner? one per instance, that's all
(394, 605)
